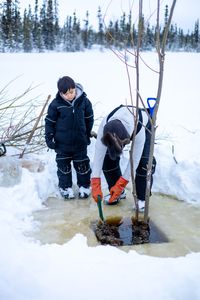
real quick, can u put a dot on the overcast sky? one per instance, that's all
(185, 14)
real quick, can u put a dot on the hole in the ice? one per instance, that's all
(127, 231)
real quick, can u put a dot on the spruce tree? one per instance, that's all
(1, 32)
(27, 31)
(7, 25)
(67, 35)
(17, 27)
(196, 37)
(37, 30)
(76, 33)
(43, 24)
(87, 35)
(57, 31)
(49, 24)
(100, 33)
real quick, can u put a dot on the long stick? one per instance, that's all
(100, 209)
(35, 126)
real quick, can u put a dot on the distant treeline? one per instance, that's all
(38, 29)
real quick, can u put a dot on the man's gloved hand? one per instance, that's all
(96, 188)
(51, 145)
(116, 190)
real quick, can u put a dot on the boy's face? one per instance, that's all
(69, 95)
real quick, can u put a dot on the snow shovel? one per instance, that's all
(113, 220)
(100, 208)
(151, 102)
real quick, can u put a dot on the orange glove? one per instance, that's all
(116, 190)
(96, 188)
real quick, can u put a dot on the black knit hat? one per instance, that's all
(115, 136)
(65, 83)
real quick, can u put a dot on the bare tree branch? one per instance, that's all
(18, 117)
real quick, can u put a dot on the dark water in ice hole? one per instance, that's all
(124, 233)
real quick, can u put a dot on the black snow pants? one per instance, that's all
(112, 171)
(81, 165)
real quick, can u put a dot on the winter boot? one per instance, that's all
(84, 192)
(67, 193)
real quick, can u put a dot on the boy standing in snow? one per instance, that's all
(115, 131)
(68, 125)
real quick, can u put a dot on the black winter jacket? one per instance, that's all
(68, 125)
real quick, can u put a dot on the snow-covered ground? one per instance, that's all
(29, 270)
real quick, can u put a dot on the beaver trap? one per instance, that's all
(118, 231)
